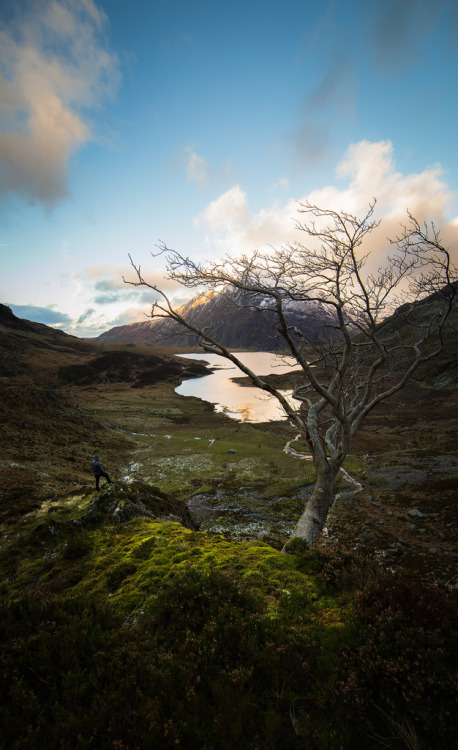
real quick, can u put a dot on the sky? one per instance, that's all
(203, 125)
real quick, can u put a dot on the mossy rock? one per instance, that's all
(296, 546)
(120, 503)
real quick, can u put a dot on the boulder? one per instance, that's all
(120, 503)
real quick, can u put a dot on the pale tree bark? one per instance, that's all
(366, 358)
(317, 508)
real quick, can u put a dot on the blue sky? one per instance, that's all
(202, 124)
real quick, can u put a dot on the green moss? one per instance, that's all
(296, 546)
(119, 573)
(355, 465)
(139, 555)
(78, 546)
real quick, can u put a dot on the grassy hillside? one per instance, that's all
(161, 612)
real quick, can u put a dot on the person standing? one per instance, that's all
(98, 471)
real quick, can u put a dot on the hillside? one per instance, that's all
(46, 434)
(231, 318)
(161, 612)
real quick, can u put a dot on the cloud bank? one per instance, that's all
(107, 301)
(55, 64)
(369, 170)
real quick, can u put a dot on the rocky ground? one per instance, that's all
(406, 511)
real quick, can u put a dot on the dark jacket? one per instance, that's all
(96, 467)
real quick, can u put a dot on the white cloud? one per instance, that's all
(370, 171)
(197, 169)
(54, 63)
(228, 212)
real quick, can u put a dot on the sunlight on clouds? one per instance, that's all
(228, 212)
(93, 322)
(370, 171)
(53, 61)
(371, 167)
(105, 295)
(107, 278)
(131, 315)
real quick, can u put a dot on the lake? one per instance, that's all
(245, 403)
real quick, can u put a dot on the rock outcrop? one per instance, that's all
(120, 502)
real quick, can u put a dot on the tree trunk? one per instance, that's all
(314, 516)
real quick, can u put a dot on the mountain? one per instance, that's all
(408, 321)
(232, 319)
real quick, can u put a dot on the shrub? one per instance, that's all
(227, 673)
(204, 668)
(341, 568)
(404, 659)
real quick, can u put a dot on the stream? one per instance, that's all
(343, 473)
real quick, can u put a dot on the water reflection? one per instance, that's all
(245, 403)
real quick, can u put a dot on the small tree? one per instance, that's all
(367, 355)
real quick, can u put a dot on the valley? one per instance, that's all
(120, 401)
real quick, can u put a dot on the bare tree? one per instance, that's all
(367, 358)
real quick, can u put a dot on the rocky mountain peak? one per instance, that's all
(236, 318)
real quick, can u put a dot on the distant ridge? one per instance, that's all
(37, 334)
(230, 317)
